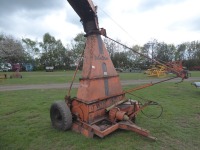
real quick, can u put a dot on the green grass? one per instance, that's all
(41, 77)
(25, 122)
(66, 77)
(195, 73)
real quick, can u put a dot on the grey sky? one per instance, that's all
(131, 21)
(152, 4)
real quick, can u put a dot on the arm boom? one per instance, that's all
(87, 13)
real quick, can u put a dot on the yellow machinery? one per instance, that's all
(157, 71)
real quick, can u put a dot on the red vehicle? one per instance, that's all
(16, 67)
(195, 68)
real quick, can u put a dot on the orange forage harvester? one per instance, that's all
(100, 106)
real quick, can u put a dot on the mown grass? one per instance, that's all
(66, 77)
(25, 122)
(41, 77)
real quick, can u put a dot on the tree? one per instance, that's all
(118, 54)
(193, 50)
(145, 51)
(77, 49)
(112, 47)
(180, 52)
(164, 52)
(138, 61)
(192, 54)
(78, 46)
(11, 50)
(120, 60)
(32, 47)
(53, 52)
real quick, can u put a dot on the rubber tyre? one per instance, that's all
(61, 117)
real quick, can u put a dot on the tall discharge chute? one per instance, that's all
(99, 77)
(88, 14)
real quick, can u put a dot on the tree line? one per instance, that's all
(51, 52)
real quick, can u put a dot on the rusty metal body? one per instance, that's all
(176, 65)
(99, 122)
(99, 89)
(100, 106)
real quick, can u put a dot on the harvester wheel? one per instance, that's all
(61, 117)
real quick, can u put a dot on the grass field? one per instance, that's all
(25, 121)
(65, 77)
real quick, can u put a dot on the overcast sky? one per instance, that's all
(131, 21)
